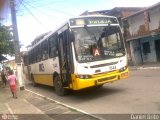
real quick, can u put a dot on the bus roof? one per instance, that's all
(65, 23)
(85, 16)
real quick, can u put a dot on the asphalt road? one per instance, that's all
(140, 93)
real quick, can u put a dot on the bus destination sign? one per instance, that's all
(99, 22)
(93, 21)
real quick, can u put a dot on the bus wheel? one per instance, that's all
(33, 82)
(60, 90)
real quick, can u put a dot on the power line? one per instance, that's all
(44, 4)
(34, 16)
(18, 6)
(55, 10)
(59, 11)
(41, 12)
(22, 2)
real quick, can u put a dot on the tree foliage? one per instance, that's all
(6, 42)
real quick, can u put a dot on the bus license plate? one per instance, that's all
(112, 68)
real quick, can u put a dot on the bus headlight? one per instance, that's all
(123, 69)
(84, 76)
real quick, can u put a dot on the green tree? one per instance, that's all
(6, 42)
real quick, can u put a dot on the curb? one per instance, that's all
(144, 68)
(148, 68)
(65, 105)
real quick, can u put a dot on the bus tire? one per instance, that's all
(60, 90)
(33, 82)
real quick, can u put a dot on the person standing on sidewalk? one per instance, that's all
(12, 83)
(3, 76)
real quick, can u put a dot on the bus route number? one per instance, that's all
(112, 67)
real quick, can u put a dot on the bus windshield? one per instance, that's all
(98, 43)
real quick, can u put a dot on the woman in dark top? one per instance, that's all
(3, 76)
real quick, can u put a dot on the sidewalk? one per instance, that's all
(145, 67)
(30, 106)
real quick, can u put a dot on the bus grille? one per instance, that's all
(105, 79)
(102, 65)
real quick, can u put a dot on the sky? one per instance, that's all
(35, 17)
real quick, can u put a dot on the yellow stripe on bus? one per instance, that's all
(43, 79)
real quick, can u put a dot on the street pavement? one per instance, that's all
(145, 66)
(30, 106)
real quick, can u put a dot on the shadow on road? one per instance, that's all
(83, 95)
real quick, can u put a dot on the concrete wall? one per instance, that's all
(144, 23)
(143, 27)
(135, 52)
(149, 57)
(134, 24)
(154, 18)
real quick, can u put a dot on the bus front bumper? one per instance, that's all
(78, 83)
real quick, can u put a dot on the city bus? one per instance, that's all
(84, 52)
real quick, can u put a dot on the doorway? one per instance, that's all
(157, 49)
(65, 56)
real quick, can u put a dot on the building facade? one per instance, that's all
(119, 12)
(142, 34)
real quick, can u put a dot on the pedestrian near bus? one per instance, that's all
(12, 83)
(3, 76)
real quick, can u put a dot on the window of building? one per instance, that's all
(146, 48)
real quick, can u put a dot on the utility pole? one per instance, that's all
(16, 46)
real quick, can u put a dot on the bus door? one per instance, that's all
(64, 58)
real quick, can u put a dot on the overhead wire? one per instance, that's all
(19, 4)
(41, 12)
(26, 3)
(62, 12)
(44, 4)
(55, 10)
(34, 16)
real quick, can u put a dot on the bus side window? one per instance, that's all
(32, 57)
(38, 53)
(44, 49)
(29, 58)
(25, 60)
(53, 47)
